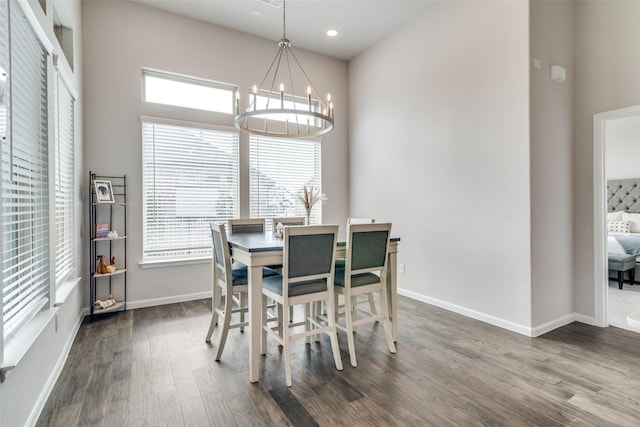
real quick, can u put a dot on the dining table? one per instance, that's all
(257, 250)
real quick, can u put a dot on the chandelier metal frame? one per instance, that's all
(274, 120)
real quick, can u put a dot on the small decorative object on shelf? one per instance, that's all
(102, 266)
(279, 232)
(102, 230)
(309, 196)
(105, 304)
(108, 223)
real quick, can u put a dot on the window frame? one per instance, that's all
(193, 81)
(8, 338)
(276, 162)
(203, 252)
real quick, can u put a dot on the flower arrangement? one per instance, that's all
(309, 196)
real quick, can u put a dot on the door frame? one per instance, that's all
(601, 274)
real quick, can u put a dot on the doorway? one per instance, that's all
(615, 133)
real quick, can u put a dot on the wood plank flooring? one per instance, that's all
(151, 367)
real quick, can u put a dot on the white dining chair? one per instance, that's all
(307, 276)
(230, 282)
(365, 272)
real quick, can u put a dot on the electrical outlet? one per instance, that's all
(56, 322)
(401, 268)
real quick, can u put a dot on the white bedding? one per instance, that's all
(630, 240)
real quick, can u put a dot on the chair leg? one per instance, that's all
(348, 314)
(263, 332)
(386, 322)
(620, 279)
(632, 275)
(244, 302)
(333, 334)
(287, 348)
(215, 304)
(228, 307)
(280, 317)
(307, 323)
(372, 304)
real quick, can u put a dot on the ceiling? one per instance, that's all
(360, 23)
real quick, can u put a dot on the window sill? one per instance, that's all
(22, 342)
(64, 290)
(174, 263)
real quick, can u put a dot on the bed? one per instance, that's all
(623, 216)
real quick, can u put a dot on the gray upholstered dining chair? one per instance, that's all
(340, 264)
(246, 225)
(307, 277)
(228, 281)
(365, 272)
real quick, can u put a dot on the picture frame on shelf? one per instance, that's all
(104, 192)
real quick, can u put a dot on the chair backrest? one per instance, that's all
(367, 247)
(308, 253)
(246, 225)
(221, 258)
(360, 221)
(287, 220)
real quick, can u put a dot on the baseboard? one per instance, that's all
(589, 320)
(492, 320)
(554, 324)
(167, 300)
(55, 373)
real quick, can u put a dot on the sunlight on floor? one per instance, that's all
(622, 303)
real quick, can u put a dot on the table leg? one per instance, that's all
(255, 320)
(392, 292)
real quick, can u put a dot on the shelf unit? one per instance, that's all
(114, 284)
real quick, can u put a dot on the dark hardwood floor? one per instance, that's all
(152, 367)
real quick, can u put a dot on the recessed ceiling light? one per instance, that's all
(256, 13)
(332, 33)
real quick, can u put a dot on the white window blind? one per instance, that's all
(64, 182)
(25, 210)
(190, 179)
(279, 168)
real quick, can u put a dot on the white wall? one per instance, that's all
(552, 29)
(120, 38)
(439, 145)
(607, 66)
(26, 388)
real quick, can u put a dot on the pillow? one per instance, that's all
(634, 219)
(618, 226)
(614, 216)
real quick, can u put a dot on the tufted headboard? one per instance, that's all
(623, 195)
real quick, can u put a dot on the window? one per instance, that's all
(64, 182)
(278, 171)
(269, 100)
(190, 179)
(25, 185)
(189, 92)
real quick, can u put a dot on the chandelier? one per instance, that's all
(279, 114)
